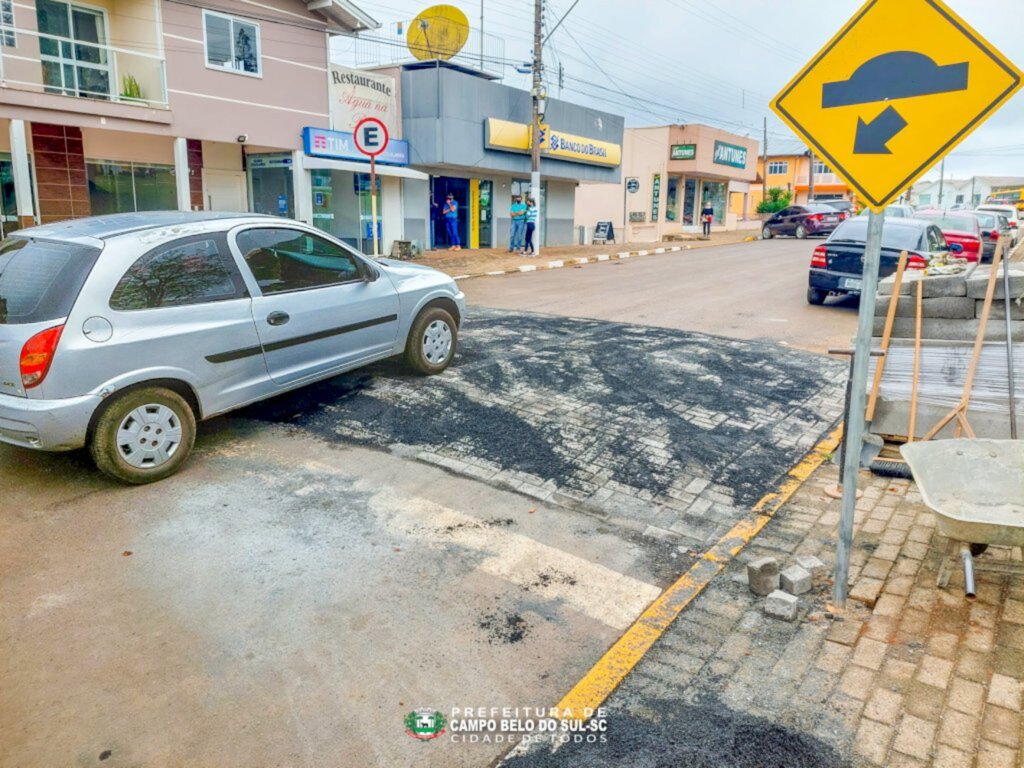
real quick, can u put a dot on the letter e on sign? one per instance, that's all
(371, 136)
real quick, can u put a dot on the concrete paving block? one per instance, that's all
(944, 286)
(978, 283)
(814, 566)
(998, 311)
(949, 330)
(886, 284)
(782, 605)
(795, 580)
(949, 307)
(763, 576)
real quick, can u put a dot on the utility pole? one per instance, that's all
(764, 163)
(942, 181)
(974, 181)
(538, 22)
(810, 179)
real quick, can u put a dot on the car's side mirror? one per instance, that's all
(370, 274)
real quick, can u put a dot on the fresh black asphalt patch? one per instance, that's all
(676, 434)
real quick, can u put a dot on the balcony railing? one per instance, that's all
(820, 178)
(87, 70)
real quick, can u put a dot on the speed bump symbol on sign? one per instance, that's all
(894, 91)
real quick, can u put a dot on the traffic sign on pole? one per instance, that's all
(371, 138)
(893, 92)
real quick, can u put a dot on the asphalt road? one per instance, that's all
(751, 290)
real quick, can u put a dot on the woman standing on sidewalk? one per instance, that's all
(531, 225)
(707, 215)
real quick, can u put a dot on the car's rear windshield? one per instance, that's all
(961, 223)
(987, 220)
(893, 235)
(40, 279)
(820, 208)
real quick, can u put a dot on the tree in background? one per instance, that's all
(778, 199)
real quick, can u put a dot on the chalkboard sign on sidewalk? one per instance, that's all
(604, 232)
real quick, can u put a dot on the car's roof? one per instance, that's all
(100, 228)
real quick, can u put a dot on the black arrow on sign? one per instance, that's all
(872, 137)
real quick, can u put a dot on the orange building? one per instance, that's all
(791, 172)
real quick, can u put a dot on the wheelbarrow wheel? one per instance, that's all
(978, 549)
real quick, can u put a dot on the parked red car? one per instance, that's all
(958, 227)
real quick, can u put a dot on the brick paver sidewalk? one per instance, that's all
(922, 677)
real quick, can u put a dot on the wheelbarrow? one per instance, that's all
(976, 490)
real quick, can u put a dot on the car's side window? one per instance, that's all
(192, 270)
(936, 242)
(292, 260)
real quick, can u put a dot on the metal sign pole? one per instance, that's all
(373, 203)
(854, 425)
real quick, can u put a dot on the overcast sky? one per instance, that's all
(662, 61)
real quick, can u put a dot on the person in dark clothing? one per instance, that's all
(707, 215)
(451, 222)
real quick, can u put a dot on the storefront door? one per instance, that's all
(8, 204)
(442, 186)
(271, 188)
(713, 192)
(689, 201)
(486, 214)
(342, 207)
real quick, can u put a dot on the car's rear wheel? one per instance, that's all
(816, 297)
(766, 233)
(143, 435)
(801, 232)
(432, 341)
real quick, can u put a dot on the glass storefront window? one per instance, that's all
(342, 207)
(714, 192)
(673, 199)
(127, 187)
(271, 187)
(689, 201)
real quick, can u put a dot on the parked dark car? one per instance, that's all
(993, 226)
(845, 207)
(837, 265)
(802, 221)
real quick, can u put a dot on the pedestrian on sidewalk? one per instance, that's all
(531, 225)
(707, 215)
(518, 214)
(451, 223)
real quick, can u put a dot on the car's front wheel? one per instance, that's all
(766, 233)
(816, 297)
(432, 341)
(801, 232)
(143, 435)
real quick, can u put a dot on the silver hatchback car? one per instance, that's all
(120, 332)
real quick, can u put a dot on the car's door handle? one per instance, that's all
(278, 318)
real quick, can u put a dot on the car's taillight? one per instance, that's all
(993, 235)
(917, 262)
(815, 217)
(37, 354)
(1013, 225)
(818, 258)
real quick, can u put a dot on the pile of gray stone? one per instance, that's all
(951, 311)
(782, 588)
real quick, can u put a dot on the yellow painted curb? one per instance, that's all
(604, 677)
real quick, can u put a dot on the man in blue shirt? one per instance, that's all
(518, 214)
(451, 223)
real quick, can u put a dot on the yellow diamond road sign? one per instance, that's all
(902, 83)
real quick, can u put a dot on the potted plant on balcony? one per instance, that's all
(131, 91)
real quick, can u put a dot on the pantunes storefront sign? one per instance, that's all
(357, 94)
(683, 152)
(730, 154)
(515, 137)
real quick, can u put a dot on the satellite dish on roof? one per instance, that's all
(439, 32)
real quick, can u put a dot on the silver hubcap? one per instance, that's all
(149, 436)
(437, 342)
